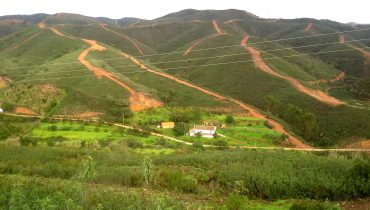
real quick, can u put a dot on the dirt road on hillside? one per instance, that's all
(138, 101)
(316, 94)
(309, 27)
(253, 112)
(217, 28)
(201, 40)
(365, 53)
(198, 42)
(133, 42)
(339, 77)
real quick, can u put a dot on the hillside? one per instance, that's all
(309, 78)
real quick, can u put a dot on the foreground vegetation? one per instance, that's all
(193, 174)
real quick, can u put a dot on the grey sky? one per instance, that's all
(338, 10)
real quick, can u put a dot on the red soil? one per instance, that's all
(136, 45)
(316, 94)
(365, 53)
(24, 111)
(308, 28)
(339, 77)
(217, 28)
(253, 112)
(198, 42)
(138, 101)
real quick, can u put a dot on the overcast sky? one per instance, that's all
(338, 10)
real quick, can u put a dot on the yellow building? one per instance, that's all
(167, 125)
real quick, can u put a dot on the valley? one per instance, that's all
(213, 109)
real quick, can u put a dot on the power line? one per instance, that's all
(202, 58)
(214, 64)
(204, 49)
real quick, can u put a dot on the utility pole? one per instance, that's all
(116, 22)
(123, 118)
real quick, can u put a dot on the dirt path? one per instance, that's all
(316, 94)
(309, 27)
(217, 28)
(138, 101)
(133, 42)
(25, 41)
(198, 42)
(365, 53)
(201, 40)
(253, 112)
(339, 77)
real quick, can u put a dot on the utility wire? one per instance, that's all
(203, 49)
(213, 64)
(194, 59)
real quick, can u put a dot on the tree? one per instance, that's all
(180, 129)
(7, 106)
(230, 119)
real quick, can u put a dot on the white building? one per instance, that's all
(203, 131)
(1, 110)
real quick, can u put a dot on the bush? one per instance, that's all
(52, 128)
(104, 142)
(235, 202)
(230, 119)
(198, 145)
(132, 143)
(174, 180)
(313, 205)
(180, 129)
(220, 143)
(7, 106)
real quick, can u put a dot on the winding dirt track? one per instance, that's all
(253, 112)
(339, 77)
(365, 53)
(316, 94)
(199, 41)
(133, 42)
(309, 27)
(138, 101)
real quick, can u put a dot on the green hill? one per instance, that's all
(33, 56)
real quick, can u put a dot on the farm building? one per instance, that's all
(167, 125)
(203, 131)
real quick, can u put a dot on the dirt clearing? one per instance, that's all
(316, 94)
(365, 53)
(339, 77)
(24, 111)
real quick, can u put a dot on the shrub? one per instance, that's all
(235, 202)
(104, 142)
(230, 119)
(220, 143)
(174, 180)
(52, 128)
(7, 106)
(313, 205)
(180, 129)
(132, 143)
(198, 145)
